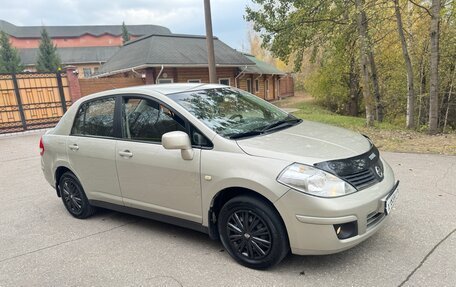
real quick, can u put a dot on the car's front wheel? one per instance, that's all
(252, 232)
(73, 196)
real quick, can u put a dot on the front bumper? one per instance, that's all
(310, 220)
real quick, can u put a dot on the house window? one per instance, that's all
(266, 88)
(87, 72)
(165, 81)
(194, 81)
(224, 81)
(257, 86)
(95, 70)
(249, 85)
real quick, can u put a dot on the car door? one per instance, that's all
(151, 177)
(92, 149)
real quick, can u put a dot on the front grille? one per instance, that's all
(361, 179)
(360, 171)
(374, 218)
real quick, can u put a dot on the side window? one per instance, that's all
(95, 118)
(147, 120)
(198, 139)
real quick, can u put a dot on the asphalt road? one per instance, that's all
(42, 245)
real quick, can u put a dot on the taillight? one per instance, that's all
(41, 146)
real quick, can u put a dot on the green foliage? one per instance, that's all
(393, 81)
(10, 61)
(125, 34)
(448, 66)
(288, 28)
(330, 84)
(324, 34)
(321, 37)
(329, 89)
(48, 58)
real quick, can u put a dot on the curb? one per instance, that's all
(29, 132)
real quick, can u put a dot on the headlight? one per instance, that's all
(314, 181)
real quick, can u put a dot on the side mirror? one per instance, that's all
(178, 140)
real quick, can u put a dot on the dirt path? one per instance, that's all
(292, 102)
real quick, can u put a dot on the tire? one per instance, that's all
(73, 196)
(260, 244)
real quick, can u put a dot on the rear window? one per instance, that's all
(95, 118)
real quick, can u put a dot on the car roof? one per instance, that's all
(167, 89)
(161, 89)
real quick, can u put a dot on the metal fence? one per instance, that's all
(32, 100)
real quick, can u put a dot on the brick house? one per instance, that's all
(154, 55)
(87, 60)
(85, 47)
(23, 37)
(178, 58)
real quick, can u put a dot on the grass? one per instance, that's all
(387, 136)
(313, 112)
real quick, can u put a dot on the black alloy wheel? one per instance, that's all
(73, 196)
(249, 235)
(252, 232)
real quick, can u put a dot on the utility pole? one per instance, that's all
(210, 42)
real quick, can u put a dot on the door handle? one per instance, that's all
(126, 153)
(74, 147)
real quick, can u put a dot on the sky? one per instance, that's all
(181, 16)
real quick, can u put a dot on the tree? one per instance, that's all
(364, 60)
(125, 34)
(328, 42)
(48, 57)
(256, 49)
(10, 61)
(291, 28)
(255, 46)
(447, 67)
(434, 67)
(410, 118)
(379, 113)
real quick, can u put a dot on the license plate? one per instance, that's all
(390, 201)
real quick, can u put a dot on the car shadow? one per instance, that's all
(292, 264)
(158, 228)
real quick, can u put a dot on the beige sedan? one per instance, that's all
(221, 161)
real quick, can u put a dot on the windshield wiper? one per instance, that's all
(275, 125)
(281, 123)
(246, 134)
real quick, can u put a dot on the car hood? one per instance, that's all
(308, 143)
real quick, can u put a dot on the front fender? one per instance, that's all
(220, 170)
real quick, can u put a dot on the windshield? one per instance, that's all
(233, 113)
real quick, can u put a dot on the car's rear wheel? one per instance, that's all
(252, 232)
(73, 196)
